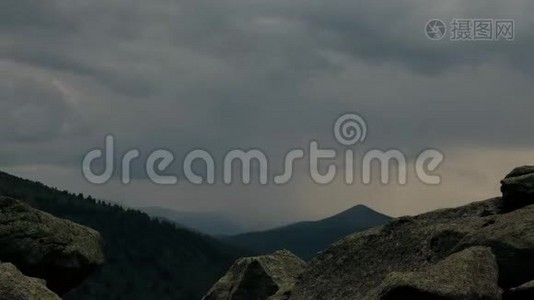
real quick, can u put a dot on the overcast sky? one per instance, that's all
(268, 74)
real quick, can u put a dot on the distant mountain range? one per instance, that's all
(305, 239)
(146, 258)
(209, 223)
(482, 250)
(159, 257)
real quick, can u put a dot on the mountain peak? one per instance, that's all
(305, 239)
(360, 212)
(358, 208)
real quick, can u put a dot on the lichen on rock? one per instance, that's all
(59, 251)
(16, 286)
(449, 279)
(262, 277)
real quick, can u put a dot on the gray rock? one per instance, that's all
(518, 188)
(357, 266)
(520, 171)
(511, 237)
(466, 253)
(259, 278)
(15, 286)
(523, 292)
(471, 274)
(41, 245)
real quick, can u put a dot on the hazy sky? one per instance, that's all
(269, 74)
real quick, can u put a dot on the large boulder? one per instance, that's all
(40, 245)
(358, 266)
(518, 188)
(471, 274)
(511, 238)
(259, 278)
(15, 286)
(472, 252)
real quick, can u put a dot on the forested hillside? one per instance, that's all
(305, 239)
(145, 258)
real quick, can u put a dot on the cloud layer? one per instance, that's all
(270, 74)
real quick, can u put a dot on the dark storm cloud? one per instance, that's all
(38, 115)
(270, 42)
(252, 73)
(34, 108)
(246, 68)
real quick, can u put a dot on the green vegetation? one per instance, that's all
(145, 258)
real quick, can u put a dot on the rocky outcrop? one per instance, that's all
(451, 278)
(518, 188)
(263, 277)
(40, 245)
(15, 286)
(398, 254)
(474, 252)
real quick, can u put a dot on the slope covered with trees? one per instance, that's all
(305, 239)
(145, 258)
